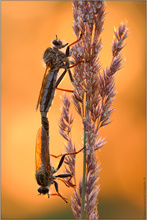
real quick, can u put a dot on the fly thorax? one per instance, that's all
(51, 179)
(48, 55)
(51, 176)
(52, 169)
(42, 177)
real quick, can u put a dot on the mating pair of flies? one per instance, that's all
(54, 60)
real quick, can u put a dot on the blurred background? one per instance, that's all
(27, 29)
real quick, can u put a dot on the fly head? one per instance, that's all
(58, 44)
(43, 190)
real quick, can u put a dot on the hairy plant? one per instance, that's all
(94, 92)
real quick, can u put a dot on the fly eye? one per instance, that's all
(43, 190)
(56, 42)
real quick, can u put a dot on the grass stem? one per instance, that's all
(84, 177)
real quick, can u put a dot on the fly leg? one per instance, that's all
(63, 156)
(65, 175)
(69, 183)
(69, 72)
(60, 78)
(64, 90)
(58, 194)
(60, 164)
(67, 50)
(70, 75)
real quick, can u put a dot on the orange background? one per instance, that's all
(28, 27)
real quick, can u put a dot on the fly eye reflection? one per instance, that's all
(43, 190)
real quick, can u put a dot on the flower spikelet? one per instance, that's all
(94, 93)
(88, 19)
(65, 124)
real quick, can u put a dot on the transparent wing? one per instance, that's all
(40, 93)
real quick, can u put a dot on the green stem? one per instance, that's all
(84, 176)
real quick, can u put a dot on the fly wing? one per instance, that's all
(40, 93)
(42, 158)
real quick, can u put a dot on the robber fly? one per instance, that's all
(54, 60)
(44, 171)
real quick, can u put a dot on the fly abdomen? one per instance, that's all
(45, 124)
(48, 91)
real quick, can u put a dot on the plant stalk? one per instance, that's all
(84, 178)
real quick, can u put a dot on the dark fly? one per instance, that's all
(55, 60)
(44, 171)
